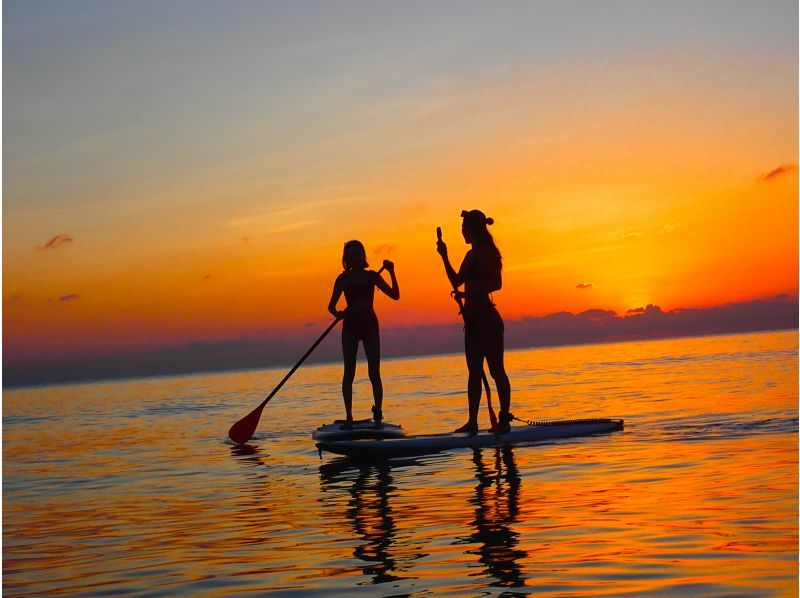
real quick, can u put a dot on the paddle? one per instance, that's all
(492, 416)
(243, 430)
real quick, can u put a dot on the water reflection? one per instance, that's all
(496, 503)
(698, 497)
(244, 450)
(369, 514)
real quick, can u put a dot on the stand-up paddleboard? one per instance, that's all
(409, 446)
(362, 429)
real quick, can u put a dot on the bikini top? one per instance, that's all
(473, 270)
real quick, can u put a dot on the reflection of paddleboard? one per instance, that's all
(364, 428)
(387, 448)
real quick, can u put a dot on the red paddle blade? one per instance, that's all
(243, 430)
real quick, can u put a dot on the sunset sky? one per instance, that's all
(189, 171)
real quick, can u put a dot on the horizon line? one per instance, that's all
(331, 360)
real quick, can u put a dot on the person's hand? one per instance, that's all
(441, 248)
(458, 294)
(339, 314)
(388, 265)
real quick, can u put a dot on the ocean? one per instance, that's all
(132, 488)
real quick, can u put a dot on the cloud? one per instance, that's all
(292, 226)
(669, 228)
(291, 210)
(780, 170)
(415, 209)
(385, 249)
(57, 241)
(665, 229)
(652, 322)
(583, 285)
(70, 297)
(650, 309)
(597, 314)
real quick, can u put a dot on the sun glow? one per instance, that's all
(614, 183)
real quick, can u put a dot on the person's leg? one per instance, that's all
(372, 347)
(494, 350)
(474, 356)
(494, 359)
(349, 353)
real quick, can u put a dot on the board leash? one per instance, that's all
(562, 422)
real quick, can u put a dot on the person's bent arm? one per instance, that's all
(456, 278)
(337, 292)
(393, 291)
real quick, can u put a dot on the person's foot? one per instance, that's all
(468, 428)
(504, 422)
(348, 424)
(377, 417)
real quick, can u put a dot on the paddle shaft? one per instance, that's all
(243, 430)
(299, 363)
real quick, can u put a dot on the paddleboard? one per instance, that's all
(387, 448)
(362, 429)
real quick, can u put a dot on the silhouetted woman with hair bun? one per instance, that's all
(481, 274)
(360, 322)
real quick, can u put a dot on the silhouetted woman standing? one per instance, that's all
(360, 322)
(480, 273)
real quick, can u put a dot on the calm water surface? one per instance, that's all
(131, 488)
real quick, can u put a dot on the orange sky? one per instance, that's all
(639, 169)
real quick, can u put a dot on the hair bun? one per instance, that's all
(490, 221)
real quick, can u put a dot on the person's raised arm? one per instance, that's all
(393, 291)
(456, 278)
(335, 295)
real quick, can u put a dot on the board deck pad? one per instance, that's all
(409, 446)
(362, 429)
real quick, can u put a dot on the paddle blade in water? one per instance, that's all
(243, 430)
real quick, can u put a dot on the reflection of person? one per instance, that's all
(360, 322)
(480, 273)
(372, 519)
(496, 508)
(370, 514)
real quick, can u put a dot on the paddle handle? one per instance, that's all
(455, 289)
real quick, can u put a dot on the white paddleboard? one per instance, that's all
(386, 448)
(362, 429)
